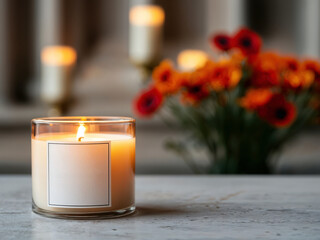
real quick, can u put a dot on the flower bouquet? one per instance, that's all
(241, 109)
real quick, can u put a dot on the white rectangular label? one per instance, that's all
(79, 174)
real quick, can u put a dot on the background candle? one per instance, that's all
(189, 60)
(57, 67)
(145, 44)
(81, 175)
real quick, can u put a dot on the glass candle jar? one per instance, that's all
(83, 167)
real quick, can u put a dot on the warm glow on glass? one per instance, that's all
(191, 59)
(80, 133)
(58, 55)
(147, 15)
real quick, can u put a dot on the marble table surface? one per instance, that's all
(181, 207)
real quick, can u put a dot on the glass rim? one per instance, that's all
(84, 119)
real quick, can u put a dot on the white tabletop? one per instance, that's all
(181, 207)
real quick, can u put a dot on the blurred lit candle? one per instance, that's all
(78, 169)
(189, 60)
(145, 44)
(57, 67)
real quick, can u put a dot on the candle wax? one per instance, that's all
(122, 164)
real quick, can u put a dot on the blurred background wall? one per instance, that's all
(106, 81)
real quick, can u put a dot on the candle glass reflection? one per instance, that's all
(83, 167)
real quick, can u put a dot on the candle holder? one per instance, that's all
(83, 167)
(57, 71)
(145, 70)
(145, 37)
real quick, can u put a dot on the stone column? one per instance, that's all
(226, 15)
(3, 52)
(311, 29)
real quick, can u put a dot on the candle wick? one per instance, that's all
(79, 139)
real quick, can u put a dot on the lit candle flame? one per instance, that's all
(80, 134)
(58, 55)
(189, 60)
(147, 15)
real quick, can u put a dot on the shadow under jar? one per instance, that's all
(83, 167)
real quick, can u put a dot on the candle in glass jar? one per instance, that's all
(145, 44)
(83, 174)
(57, 66)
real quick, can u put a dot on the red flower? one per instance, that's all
(262, 78)
(148, 102)
(291, 63)
(278, 112)
(195, 93)
(265, 70)
(247, 41)
(221, 41)
(195, 87)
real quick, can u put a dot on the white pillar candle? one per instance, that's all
(190, 60)
(145, 44)
(57, 66)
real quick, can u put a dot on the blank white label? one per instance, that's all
(79, 174)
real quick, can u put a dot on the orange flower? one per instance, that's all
(267, 60)
(164, 77)
(295, 75)
(270, 56)
(255, 98)
(207, 66)
(298, 80)
(183, 78)
(313, 66)
(265, 72)
(278, 112)
(225, 75)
